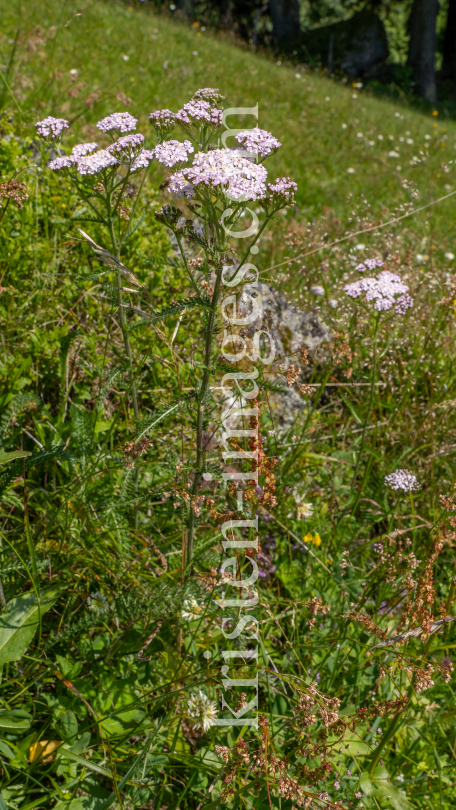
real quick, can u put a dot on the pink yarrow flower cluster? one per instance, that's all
(368, 264)
(402, 479)
(51, 128)
(258, 141)
(97, 162)
(240, 178)
(82, 149)
(124, 122)
(171, 152)
(197, 112)
(142, 160)
(163, 121)
(387, 290)
(128, 147)
(210, 94)
(283, 190)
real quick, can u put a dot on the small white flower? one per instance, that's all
(202, 709)
(344, 126)
(359, 135)
(354, 95)
(297, 75)
(420, 257)
(409, 140)
(427, 137)
(327, 98)
(360, 246)
(125, 57)
(400, 777)
(191, 610)
(317, 290)
(73, 72)
(380, 137)
(351, 170)
(449, 256)
(393, 154)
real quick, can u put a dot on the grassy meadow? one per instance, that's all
(103, 624)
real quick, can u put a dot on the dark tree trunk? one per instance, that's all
(449, 44)
(422, 43)
(285, 19)
(187, 7)
(226, 15)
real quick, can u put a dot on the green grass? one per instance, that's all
(111, 666)
(305, 113)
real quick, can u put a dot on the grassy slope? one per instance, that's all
(163, 69)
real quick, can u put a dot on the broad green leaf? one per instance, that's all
(378, 785)
(19, 621)
(3, 804)
(68, 725)
(5, 458)
(84, 803)
(14, 721)
(366, 785)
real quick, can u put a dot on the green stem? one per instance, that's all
(200, 452)
(123, 322)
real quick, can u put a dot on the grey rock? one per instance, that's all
(291, 329)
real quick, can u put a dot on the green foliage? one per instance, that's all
(104, 627)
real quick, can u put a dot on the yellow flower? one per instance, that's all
(315, 539)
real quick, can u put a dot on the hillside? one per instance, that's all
(337, 140)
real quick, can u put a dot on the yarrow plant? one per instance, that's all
(402, 479)
(218, 185)
(386, 290)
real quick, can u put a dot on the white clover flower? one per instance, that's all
(402, 479)
(351, 170)
(202, 709)
(449, 256)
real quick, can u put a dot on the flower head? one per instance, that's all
(142, 160)
(210, 94)
(197, 112)
(93, 164)
(238, 177)
(202, 709)
(127, 148)
(82, 149)
(387, 290)
(171, 152)
(163, 121)
(281, 193)
(51, 128)
(61, 164)
(258, 141)
(368, 264)
(402, 479)
(124, 122)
